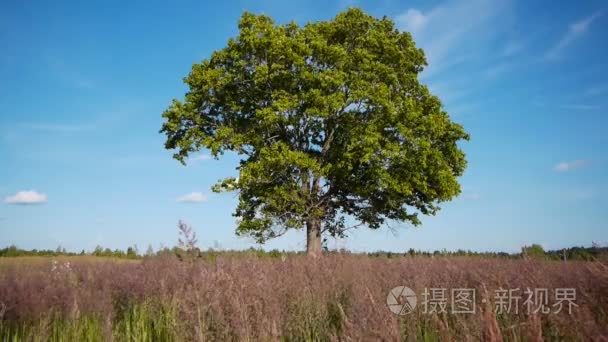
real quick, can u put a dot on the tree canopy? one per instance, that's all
(331, 122)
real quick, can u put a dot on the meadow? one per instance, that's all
(252, 297)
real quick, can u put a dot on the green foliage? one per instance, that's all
(578, 253)
(56, 329)
(147, 322)
(131, 252)
(569, 254)
(312, 319)
(330, 121)
(14, 251)
(533, 251)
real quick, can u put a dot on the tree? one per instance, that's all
(330, 121)
(132, 252)
(149, 251)
(533, 251)
(187, 238)
(98, 251)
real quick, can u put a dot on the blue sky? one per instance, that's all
(82, 87)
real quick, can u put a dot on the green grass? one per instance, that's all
(142, 322)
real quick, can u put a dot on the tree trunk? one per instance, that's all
(313, 237)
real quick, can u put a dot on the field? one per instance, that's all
(295, 298)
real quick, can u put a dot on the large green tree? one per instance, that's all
(331, 122)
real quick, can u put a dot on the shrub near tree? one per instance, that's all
(332, 125)
(533, 251)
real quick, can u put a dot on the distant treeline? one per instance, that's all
(14, 251)
(534, 251)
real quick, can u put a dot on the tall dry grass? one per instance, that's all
(337, 297)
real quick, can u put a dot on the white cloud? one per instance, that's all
(200, 157)
(26, 197)
(512, 48)
(67, 74)
(569, 166)
(580, 106)
(597, 90)
(450, 31)
(572, 106)
(413, 20)
(473, 196)
(576, 194)
(449, 91)
(19, 132)
(495, 70)
(59, 127)
(193, 197)
(575, 31)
